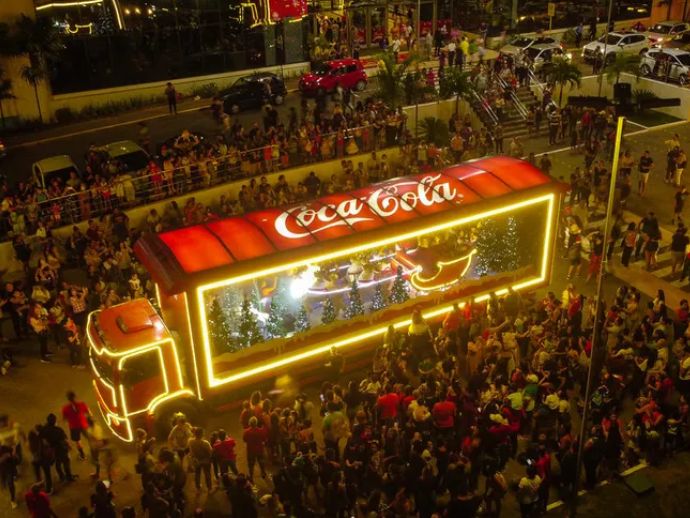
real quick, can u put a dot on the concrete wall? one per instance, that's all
(25, 103)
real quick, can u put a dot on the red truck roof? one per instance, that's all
(202, 253)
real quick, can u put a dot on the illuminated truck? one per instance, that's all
(246, 299)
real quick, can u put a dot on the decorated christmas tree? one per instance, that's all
(497, 246)
(354, 302)
(378, 302)
(400, 291)
(249, 328)
(256, 298)
(218, 328)
(302, 323)
(328, 314)
(275, 326)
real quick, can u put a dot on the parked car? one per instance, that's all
(129, 154)
(521, 43)
(615, 42)
(326, 77)
(47, 169)
(545, 53)
(667, 64)
(665, 32)
(253, 91)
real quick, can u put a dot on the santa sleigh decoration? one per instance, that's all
(427, 272)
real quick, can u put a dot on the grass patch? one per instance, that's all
(651, 118)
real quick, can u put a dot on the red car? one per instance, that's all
(348, 73)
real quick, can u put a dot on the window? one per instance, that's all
(141, 367)
(352, 68)
(142, 377)
(684, 59)
(638, 38)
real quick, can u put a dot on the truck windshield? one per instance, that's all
(141, 368)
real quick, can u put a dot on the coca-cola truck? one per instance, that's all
(245, 299)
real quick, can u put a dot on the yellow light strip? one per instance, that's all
(108, 417)
(81, 3)
(163, 370)
(102, 380)
(192, 345)
(118, 15)
(214, 382)
(156, 402)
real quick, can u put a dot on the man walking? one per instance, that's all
(171, 95)
(76, 414)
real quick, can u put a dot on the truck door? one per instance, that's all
(143, 379)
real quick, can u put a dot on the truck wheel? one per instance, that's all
(361, 85)
(163, 421)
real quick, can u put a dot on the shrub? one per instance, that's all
(205, 91)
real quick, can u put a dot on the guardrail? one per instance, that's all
(517, 103)
(131, 189)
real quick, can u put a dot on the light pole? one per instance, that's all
(596, 336)
(606, 42)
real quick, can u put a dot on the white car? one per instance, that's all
(665, 32)
(47, 169)
(615, 42)
(522, 43)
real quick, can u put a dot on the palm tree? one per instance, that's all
(622, 63)
(456, 82)
(391, 78)
(41, 42)
(562, 72)
(5, 93)
(435, 130)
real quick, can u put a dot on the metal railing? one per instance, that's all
(533, 79)
(484, 104)
(130, 189)
(517, 103)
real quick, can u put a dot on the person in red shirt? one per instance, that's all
(452, 324)
(255, 438)
(443, 413)
(38, 503)
(388, 404)
(224, 450)
(76, 414)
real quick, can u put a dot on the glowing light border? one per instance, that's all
(214, 382)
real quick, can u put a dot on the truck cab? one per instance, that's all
(136, 366)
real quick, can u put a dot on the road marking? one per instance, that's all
(582, 492)
(637, 124)
(100, 128)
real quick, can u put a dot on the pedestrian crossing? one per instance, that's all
(664, 269)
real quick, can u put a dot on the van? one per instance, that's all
(60, 166)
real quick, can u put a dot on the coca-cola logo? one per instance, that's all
(383, 202)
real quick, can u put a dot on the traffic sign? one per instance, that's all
(552, 9)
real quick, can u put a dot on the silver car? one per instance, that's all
(522, 43)
(543, 53)
(666, 64)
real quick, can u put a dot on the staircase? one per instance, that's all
(513, 121)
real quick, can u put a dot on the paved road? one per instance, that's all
(193, 116)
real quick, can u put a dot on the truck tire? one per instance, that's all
(163, 421)
(361, 85)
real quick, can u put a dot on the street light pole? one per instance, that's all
(596, 336)
(606, 42)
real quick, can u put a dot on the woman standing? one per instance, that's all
(629, 240)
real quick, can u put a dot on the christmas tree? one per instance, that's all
(218, 328)
(378, 302)
(354, 303)
(497, 246)
(256, 298)
(275, 326)
(400, 291)
(328, 314)
(302, 323)
(249, 328)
